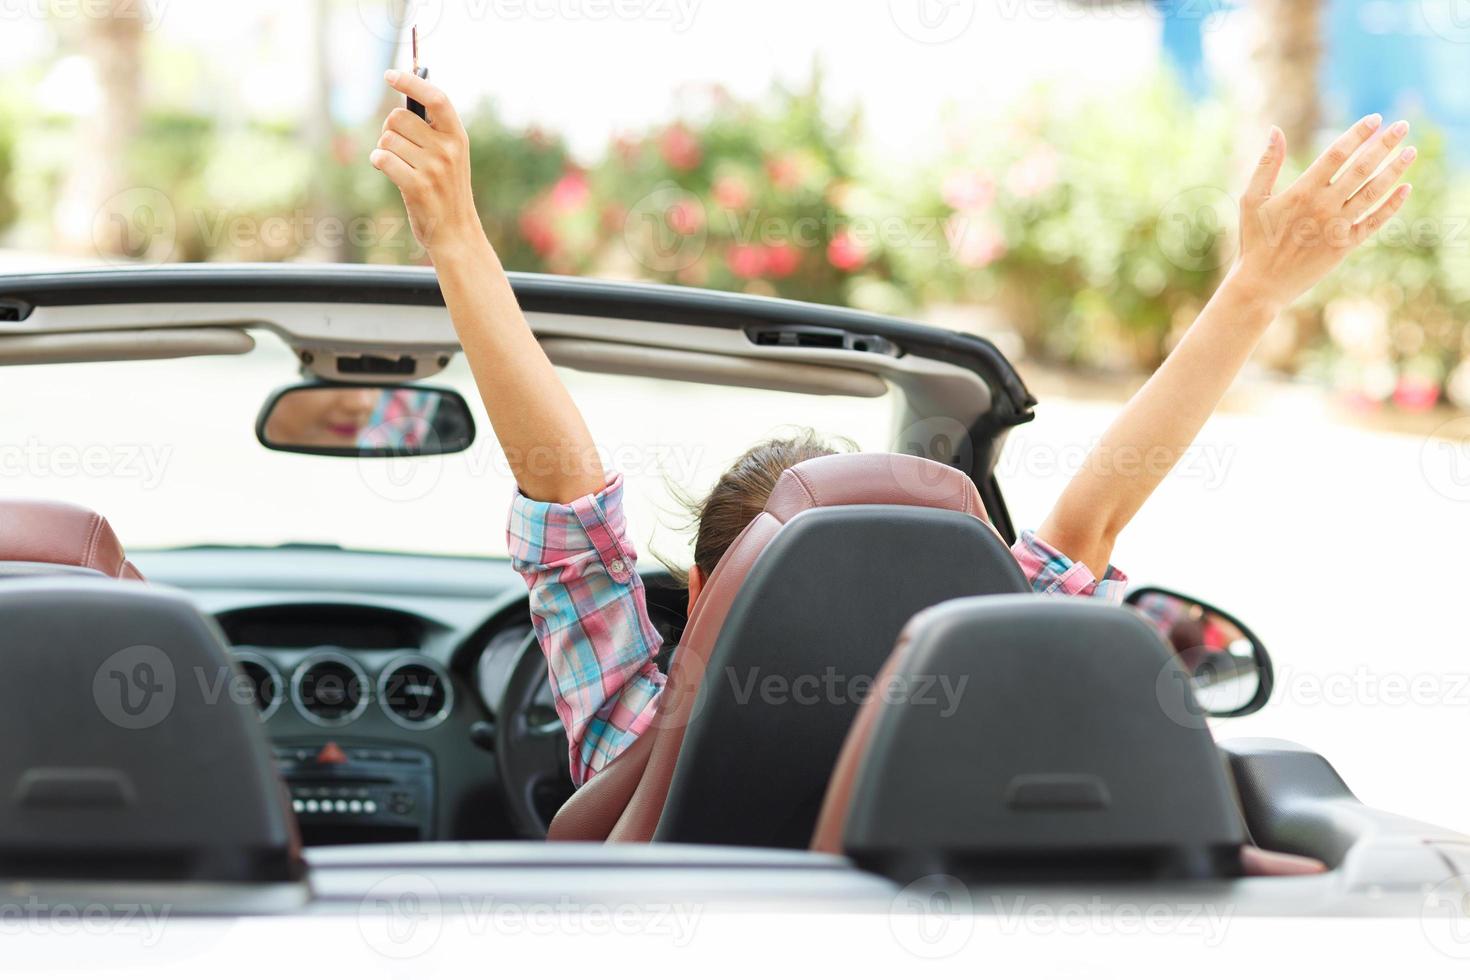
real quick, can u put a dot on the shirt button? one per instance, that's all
(617, 566)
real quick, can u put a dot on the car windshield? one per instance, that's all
(167, 451)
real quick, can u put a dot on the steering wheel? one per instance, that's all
(530, 749)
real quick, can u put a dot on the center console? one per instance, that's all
(358, 793)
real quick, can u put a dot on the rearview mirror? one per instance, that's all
(365, 421)
(1226, 664)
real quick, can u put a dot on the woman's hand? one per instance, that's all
(1291, 240)
(430, 164)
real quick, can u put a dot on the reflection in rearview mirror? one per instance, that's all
(1229, 667)
(366, 421)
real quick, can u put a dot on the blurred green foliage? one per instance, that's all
(1098, 234)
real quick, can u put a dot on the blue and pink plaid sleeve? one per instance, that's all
(1052, 573)
(591, 616)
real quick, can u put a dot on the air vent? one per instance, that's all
(829, 338)
(415, 693)
(264, 681)
(329, 689)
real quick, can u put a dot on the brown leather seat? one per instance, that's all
(47, 532)
(624, 802)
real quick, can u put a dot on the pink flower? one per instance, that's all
(1035, 174)
(731, 193)
(571, 192)
(680, 149)
(974, 244)
(846, 253)
(782, 261)
(1416, 395)
(538, 232)
(785, 172)
(746, 261)
(968, 190)
(685, 217)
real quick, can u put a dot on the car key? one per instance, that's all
(414, 106)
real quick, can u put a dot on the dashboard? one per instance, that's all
(378, 678)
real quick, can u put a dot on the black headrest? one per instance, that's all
(814, 622)
(1071, 751)
(131, 751)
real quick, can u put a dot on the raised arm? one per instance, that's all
(1289, 242)
(538, 425)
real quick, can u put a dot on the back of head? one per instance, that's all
(741, 493)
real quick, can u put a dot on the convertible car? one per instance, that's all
(266, 662)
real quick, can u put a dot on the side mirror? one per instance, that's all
(1228, 666)
(365, 421)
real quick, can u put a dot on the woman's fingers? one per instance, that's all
(409, 126)
(1366, 163)
(1371, 194)
(1263, 181)
(1340, 152)
(1368, 227)
(441, 111)
(403, 148)
(394, 167)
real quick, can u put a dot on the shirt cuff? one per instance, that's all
(546, 535)
(1052, 573)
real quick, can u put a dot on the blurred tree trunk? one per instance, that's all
(320, 132)
(1288, 53)
(112, 39)
(1288, 61)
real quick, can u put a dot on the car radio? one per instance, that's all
(359, 794)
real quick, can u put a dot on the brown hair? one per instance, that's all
(741, 493)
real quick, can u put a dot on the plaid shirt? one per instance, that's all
(591, 615)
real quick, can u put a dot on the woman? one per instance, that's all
(568, 534)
